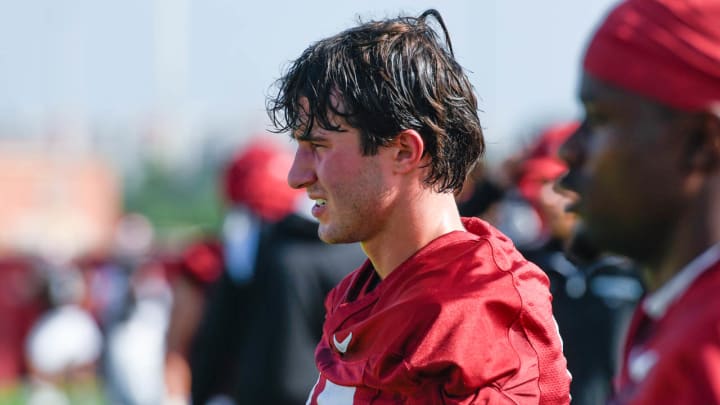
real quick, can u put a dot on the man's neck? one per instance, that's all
(697, 231)
(413, 226)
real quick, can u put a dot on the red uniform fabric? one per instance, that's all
(674, 46)
(465, 320)
(675, 359)
(21, 304)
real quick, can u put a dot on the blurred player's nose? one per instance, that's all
(570, 150)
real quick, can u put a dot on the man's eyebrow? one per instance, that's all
(308, 136)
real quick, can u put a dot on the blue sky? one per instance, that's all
(215, 59)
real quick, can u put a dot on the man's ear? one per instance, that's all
(408, 151)
(704, 144)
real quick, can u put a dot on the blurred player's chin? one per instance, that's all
(580, 246)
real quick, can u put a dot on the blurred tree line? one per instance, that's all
(180, 204)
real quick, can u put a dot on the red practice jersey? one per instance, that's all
(465, 320)
(672, 354)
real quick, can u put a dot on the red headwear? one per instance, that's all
(666, 50)
(542, 163)
(256, 177)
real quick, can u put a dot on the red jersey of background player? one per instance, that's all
(675, 337)
(408, 338)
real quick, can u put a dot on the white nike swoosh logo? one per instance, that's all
(342, 346)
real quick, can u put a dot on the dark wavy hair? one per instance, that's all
(390, 75)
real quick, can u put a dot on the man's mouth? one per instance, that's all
(320, 202)
(564, 187)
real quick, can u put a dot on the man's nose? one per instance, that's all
(302, 171)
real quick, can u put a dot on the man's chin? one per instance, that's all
(328, 236)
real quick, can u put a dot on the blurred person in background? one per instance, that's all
(134, 359)
(532, 212)
(221, 268)
(248, 331)
(191, 275)
(128, 296)
(445, 310)
(257, 341)
(482, 190)
(107, 272)
(64, 345)
(593, 294)
(645, 164)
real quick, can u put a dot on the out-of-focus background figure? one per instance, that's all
(64, 344)
(221, 268)
(249, 305)
(593, 294)
(533, 213)
(645, 166)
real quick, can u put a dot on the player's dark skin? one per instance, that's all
(647, 176)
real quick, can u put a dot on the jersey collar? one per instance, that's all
(656, 304)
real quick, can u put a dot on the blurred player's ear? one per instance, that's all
(712, 126)
(705, 144)
(408, 150)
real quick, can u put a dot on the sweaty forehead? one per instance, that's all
(321, 117)
(303, 105)
(333, 102)
(305, 120)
